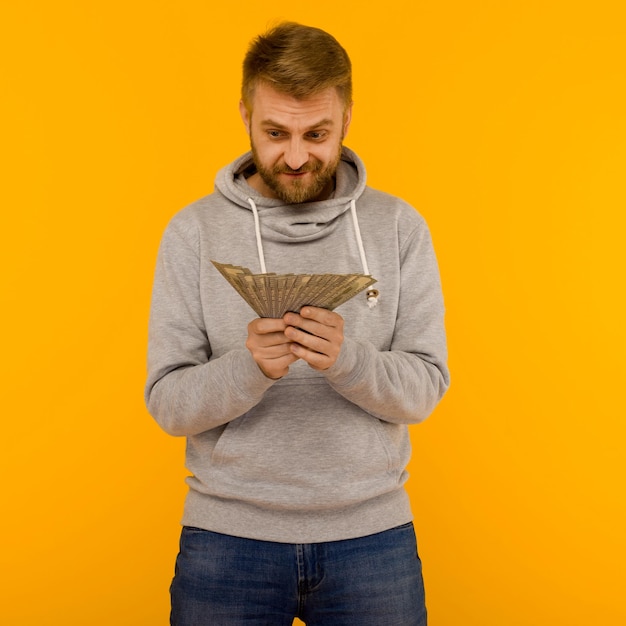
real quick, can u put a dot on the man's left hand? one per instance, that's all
(317, 335)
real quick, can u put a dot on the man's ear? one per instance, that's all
(245, 115)
(347, 118)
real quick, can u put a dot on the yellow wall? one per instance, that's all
(503, 122)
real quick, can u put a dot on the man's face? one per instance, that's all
(296, 144)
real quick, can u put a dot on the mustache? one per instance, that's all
(314, 166)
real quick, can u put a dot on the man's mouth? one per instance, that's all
(305, 169)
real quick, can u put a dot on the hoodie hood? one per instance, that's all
(294, 222)
(297, 223)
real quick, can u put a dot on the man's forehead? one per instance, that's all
(265, 98)
(271, 123)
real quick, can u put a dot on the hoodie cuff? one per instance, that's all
(248, 376)
(347, 366)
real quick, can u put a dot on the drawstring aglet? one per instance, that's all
(372, 297)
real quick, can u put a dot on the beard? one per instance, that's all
(297, 191)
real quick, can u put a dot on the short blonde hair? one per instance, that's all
(297, 60)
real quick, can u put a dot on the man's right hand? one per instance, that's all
(269, 346)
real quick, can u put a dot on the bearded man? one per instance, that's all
(297, 426)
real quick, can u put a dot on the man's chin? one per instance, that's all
(296, 196)
(296, 193)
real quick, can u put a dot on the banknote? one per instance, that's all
(272, 295)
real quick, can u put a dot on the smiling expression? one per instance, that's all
(296, 144)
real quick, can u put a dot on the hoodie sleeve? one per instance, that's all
(186, 392)
(404, 384)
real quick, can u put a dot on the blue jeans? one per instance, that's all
(229, 581)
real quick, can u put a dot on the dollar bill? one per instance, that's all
(273, 295)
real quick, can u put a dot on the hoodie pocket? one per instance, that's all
(306, 446)
(223, 444)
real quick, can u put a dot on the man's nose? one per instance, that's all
(296, 154)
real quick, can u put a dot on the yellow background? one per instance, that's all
(504, 123)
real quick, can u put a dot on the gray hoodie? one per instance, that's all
(314, 456)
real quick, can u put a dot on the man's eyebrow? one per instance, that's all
(271, 123)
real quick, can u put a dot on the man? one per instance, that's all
(296, 427)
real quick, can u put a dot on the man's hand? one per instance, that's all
(269, 346)
(317, 336)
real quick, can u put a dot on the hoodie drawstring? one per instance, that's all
(257, 230)
(371, 294)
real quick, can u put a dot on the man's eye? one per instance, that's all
(317, 135)
(274, 134)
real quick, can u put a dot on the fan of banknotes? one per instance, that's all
(272, 295)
